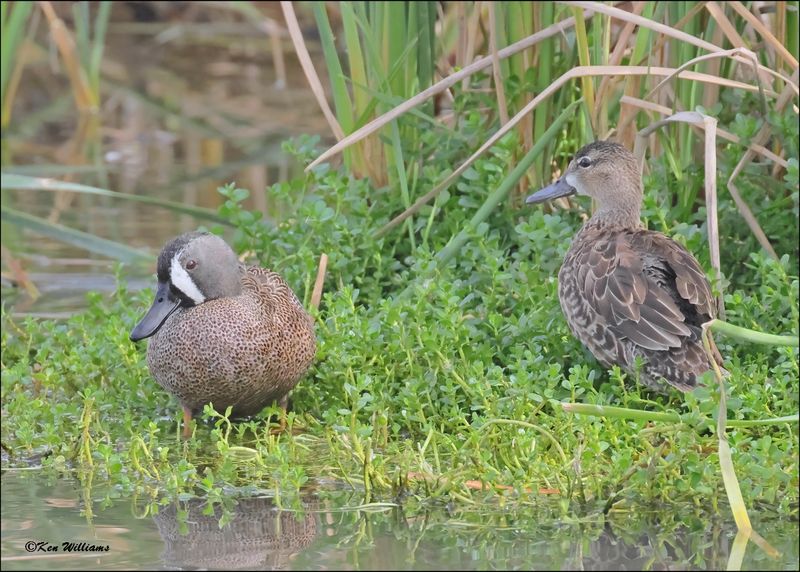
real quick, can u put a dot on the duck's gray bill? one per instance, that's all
(163, 306)
(558, 189)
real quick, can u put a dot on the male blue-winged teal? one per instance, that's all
(628, 292)
(221, 332)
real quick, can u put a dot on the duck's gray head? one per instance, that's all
(607, 172)
(192, 268)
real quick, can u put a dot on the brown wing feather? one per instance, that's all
(690, 279)
(272, 291)
(648, 288)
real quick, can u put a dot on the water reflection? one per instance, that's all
(327, 531)
(525, 539)
(683, 548)
(258, 536)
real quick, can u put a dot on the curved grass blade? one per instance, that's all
(754, 147)
(74, 237)
(308, 68)
(53, 170)
(666, 416)
(22, 182)
(667, 31)
(752, 335)
(764, 32)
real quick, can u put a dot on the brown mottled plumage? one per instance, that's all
(223, 333)
(628, 292)
(258, 536)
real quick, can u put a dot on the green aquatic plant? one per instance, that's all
(452, 391)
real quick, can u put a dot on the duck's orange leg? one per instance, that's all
(283, 404)
(187, 423)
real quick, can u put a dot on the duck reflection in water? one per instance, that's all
(258, 536)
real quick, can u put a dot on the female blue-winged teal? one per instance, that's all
(628, 292)
(223, 333)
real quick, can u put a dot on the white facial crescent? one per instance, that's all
(183, 282)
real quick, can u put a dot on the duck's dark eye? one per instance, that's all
(191, 265)
(584, 162)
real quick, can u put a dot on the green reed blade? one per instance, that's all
(395, 38)
(341, 98)
(582, 44)
(752, 335)
(74, 237)
(14, 21)
(355, 57)
(21, 182)
(668, 417)
(643, 43)
(397, 155)
(792, 30)
(426, 46)
(544, 77)
(98, 46)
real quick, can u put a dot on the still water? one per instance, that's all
(327, 532)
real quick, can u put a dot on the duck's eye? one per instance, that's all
(191, 265)
(584, 162)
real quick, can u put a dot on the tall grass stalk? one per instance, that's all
(13, 22)
(85, 99)
(90, 38)
(390, 47)
(587, 86)
(544, 58)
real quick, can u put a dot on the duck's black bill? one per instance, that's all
(558, 189)
(163, 306)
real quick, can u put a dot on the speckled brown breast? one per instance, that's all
(244, 351)
(634, 293)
